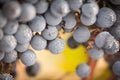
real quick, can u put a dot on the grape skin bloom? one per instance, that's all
(11, 27)
(61, 9)
(90, 9)
(50, 33)
(83, 70)
(75, 4)
(41, 6)
(38, 42)
(106, 18)
(28, 58)
(22, 47)
(96, 53)
(12, 9)
(24, 34)
(116, 68)
(8, 43)
(70, 21)
(28, 12)
(38, 24)
(56, 46)
(10, 56)
(51, 19)
(82, 34)
(87, 20)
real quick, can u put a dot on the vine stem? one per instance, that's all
(92, 63)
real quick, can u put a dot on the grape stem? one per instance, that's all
(92, 63)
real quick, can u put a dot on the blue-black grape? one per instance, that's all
(24, 34)
(87, 20)
(51, 19)
(90, 9)
(12, 9)
(113, 49)
(22, 47)
(75, 4)
(56, 46)
(82, 34)
(28, 58)
(115, 31)
(100, 39)
(38, 24)
(41, 6)
(106, 18)
(33, 70)
(106, 41)
(70, 21)
(28, 12)
(38, 42)
(11, 27)
(10, 56)
(83, 70)
(61, 9)
(8, 43)
(72, 43)
(50, 33)
(116, 68)
(95, 53)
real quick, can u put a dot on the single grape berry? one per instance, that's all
(22, 47)
(100, 39)
(38, 24)
(10, 56)
(28, 58)
(61, 9)
(33, 70)
(95, 53)
(41, 6)
(113, 49)
(12, 9)
(115, 31)
(75, 4)
(11, 27)
(8, 43)
(69, 21)
(24, 34)
(83, 70)
(116, 68)
(51, 19)
(56, 46)
(50, 33)
(106, 18)
(81, 35)
(72, 43)
(87, 20)
(38, 42)
(90, 9)
(28, 12)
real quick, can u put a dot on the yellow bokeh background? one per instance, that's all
(62, 66)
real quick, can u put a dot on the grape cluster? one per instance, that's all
(39, 22)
